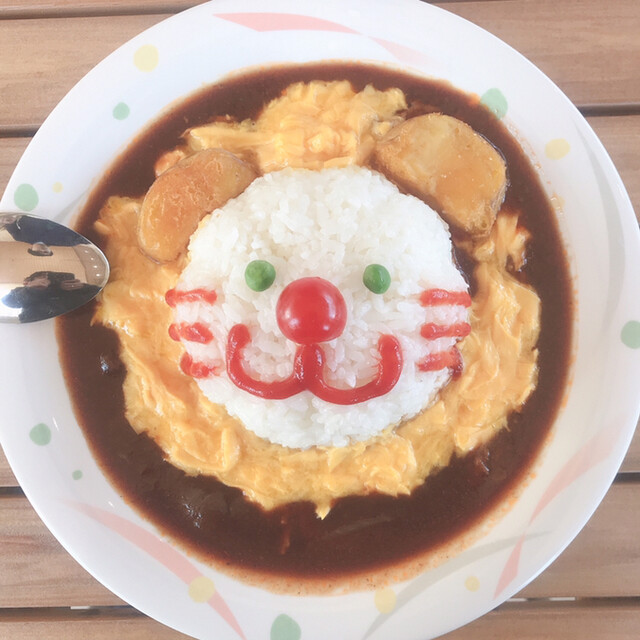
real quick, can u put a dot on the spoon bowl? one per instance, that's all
(46, 269)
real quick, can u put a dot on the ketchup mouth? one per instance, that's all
(308, 372)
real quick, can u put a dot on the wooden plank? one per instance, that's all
(561, 43)
(603, 560)
(43, 58)
(533, 620)
(136, 629)
(102, 624)
(34, 568)
(631, 463)
(11, 149)
(7, 479)
(613, 620)
(39, 8)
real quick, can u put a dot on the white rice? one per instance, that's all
(331, 224)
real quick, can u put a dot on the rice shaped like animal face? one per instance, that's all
(321, 307)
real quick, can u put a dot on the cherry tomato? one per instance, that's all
(311, 310)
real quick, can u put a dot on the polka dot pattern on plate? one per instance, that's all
(630, 334)
(57, 187)
(26, 197)
(285, 628)
(495, 101)
(77, 474)
(557, 148)
(472, 583)
(146, 58)
(201, 589)
(40, 434)
(121, 111)
(385, 600)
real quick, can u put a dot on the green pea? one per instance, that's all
(376, 278)
(259, 275)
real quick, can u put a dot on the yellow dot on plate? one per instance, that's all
(557, 148)
(57, 187)
(146, 57)
(201, 589)
(472, 583)
(385, 600)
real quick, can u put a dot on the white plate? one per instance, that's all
(105, 110)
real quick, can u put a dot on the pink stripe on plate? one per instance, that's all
(587, 457)
(163, 552)
(283, 22)
(511, 568)
(217, 603)
(405, 54)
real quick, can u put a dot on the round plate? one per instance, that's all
(130, 88)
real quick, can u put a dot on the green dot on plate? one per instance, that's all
(40, 434)
(121, 111)
(25, 197)
(285, 628)
(495, 101)
(630, 334)
(77, 474)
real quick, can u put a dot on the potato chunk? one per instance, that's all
(182, 195)
(449, 165)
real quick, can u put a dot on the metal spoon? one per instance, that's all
(46, 269)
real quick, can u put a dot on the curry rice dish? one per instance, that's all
(191, 323)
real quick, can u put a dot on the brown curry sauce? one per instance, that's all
(360, 534)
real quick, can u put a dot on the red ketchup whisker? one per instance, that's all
(175, 296)
(196, 369)
(431, 330)
(438, 297)
(451, 359)
(308, 372)
(191, 332)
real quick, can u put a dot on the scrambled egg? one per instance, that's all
(313, 126)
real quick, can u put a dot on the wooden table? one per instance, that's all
(591, 49)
